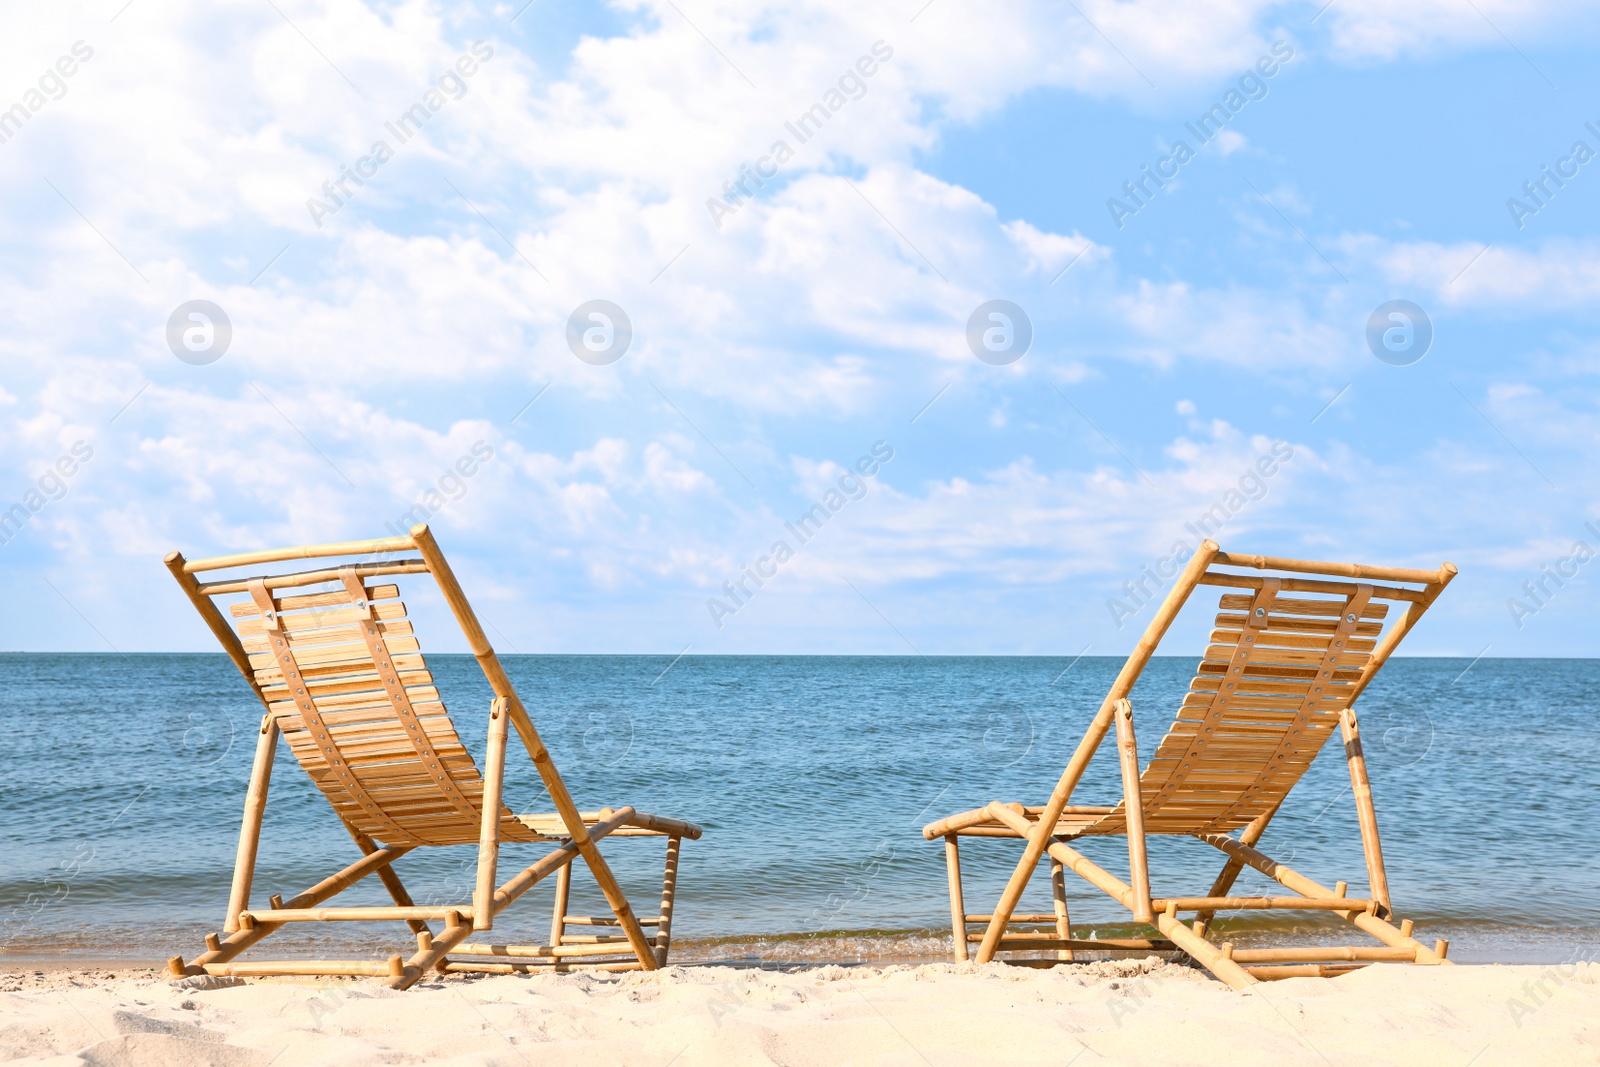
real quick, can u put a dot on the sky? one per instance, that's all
(1017, 294)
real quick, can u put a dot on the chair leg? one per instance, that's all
(386, 875)
(558, 919)
(1038, 838)
(255, 806)
(958, 906)
(494, 773)
(1382, 929)
(1234, 866)
(1058, 890)
(1370, 844)
(669, 892)
(432, 950)
(231, 946)
(1133, 807)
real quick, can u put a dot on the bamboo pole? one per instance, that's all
(1232, 868)
(386, 874)
(494, 776)
(277, 555)
(618, 946)
(972, 820)
(454, 933)
(1299, 883)
(1207, 954)
(334, 915)
(1328, 903)
(532, 966)
(1397, 632)
(669, 896)
(1022, 941)
(1371, 845)
(1302, 585)
(958, 907)
(1341, 570)
(1323, 954)
(1073, 860)
(299, 578)
(284, 968)
(500, 682)
(558, 914)
(214, 621)
(1039, 835)
(1058, 892)
(555, 860)
(237, 942)
(255, 806)
(1304, 970)
(1133, 812)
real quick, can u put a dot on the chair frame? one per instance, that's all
(576, 833)
(1040, 829)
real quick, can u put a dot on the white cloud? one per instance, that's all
(1556, 273)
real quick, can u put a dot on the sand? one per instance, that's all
(1131, 1012)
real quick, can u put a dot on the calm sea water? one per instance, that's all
(124, 778)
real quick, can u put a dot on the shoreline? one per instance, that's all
(809, 1015)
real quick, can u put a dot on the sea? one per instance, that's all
(122, 781)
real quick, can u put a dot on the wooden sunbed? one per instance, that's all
(1295, 644)
(332, 657)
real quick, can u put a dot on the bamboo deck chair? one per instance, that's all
(343, 680)
(1288, 657)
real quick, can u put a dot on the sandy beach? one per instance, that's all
(1136, 1011)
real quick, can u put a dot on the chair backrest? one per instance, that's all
(1286, 656)
(339, 668)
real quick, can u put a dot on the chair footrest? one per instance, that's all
(379, 914)
(609, 947)
(525, 966)
(1323, 954)
(1264, 904)
(1016, 942)
(287, 968)
(1302, 970)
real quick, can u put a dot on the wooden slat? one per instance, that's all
(307, 639)
(1303, 625)
(295, 622)
(390, 831)
(1296, 606)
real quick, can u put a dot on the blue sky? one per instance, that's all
(828, 313)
